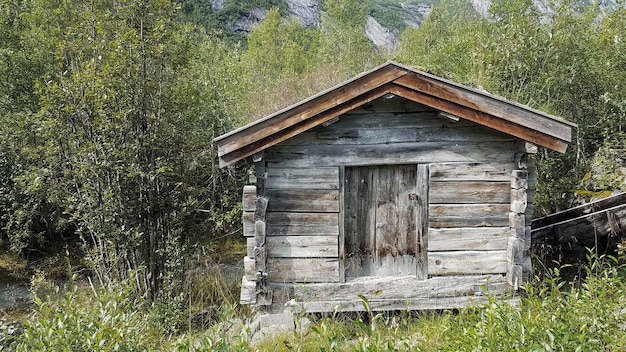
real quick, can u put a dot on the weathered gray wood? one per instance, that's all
(399, 134)
(295, 224)
(342, 226)
(260, 253)
(303, 269)
(397, 287)
(514, 276)
(248, 291)
(303, 246)
(249, 198)
(579, 211)
(391, 305)
(297, 200)
(396, 153)
(248, 266)
(469, 215)
(302, 178)
(423, 233)
(381, 220)
(458, 239)
(519, 200)
(250, 247)
(519, 179)
(261, 208)
(399, 106)
(517, 223)
(467, 262)
(470, 192)
(584, 229)
(473, 171)
(303, 200)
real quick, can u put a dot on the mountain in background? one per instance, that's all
(234, 19)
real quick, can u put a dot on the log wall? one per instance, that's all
(477, 191)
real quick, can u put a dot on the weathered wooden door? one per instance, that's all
(382, 221)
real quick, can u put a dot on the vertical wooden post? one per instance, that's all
(515, 249)
(422, 221)
(342, 227)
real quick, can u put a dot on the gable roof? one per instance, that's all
(421, 87)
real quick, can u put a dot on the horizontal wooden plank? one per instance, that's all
(470, 192)
(296, 200)
(467, 262)
(398, 134)
(397, 287)
(461, 239)
(396, 153)
(295, 224)
(303, 246)
(384, 305)
(396, 105)
(579, 211)
(487, 171)
(583, 230)
(301, 178)
(468, 215)
(492, 105)
(303, 269)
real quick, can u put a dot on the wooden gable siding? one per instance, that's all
(413, 134)
(470, 104)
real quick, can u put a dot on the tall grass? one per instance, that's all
(584, 314)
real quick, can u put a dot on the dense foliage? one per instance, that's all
(108, 109)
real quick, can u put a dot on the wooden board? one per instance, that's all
(462, 239)
(301, 178)
(380, 226)
(295, 224)
(303, 246)
(396, 153)
(470, 192)
(396, 287)
(303, 269)
(488, 171)
(468, 215)
(467, 262)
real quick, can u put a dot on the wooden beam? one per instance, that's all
(482, 118)
(488, 104)
(290, 122)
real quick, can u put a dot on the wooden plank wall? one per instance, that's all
(469, 218)
(392, 132)
(302, 242)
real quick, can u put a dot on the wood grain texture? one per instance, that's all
(490, 171)
(461, 239)
(398, 288)
(470, 192)
(303, 246)
(295, 224)
(397, 153)
(468, 262)
(301, 178)
(303, 269)
(468, 215)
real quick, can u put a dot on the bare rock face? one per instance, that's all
(419, 12)
(306, 11)
(246, 22)
(217, 5)
(379, 35)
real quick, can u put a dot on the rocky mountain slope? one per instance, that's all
(388, 18)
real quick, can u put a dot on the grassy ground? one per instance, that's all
(583, 314)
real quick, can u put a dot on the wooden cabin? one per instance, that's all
(411, 190)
